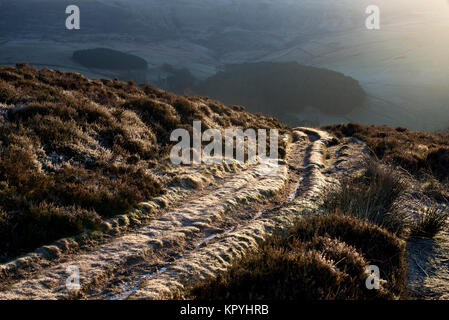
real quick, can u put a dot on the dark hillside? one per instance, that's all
(282, 88)
(103, 58)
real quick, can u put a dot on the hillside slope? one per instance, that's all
(86, 181)
(75, 151)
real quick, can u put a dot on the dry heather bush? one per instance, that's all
(7, 93)
(109, 192)
(41, 224)
(378, 246)
(70, 142)
(321, 257)
(277, 274)
(161, 116)
(432, 220)
(188, 111)
(371, 196)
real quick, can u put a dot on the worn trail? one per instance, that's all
(200, 237)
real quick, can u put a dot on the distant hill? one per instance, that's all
(103, 58)
(279, 88)
(177, 80)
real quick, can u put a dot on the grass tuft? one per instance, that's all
(371, 196)
(432, 220)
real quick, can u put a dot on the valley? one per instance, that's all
(120, 178)
(96, 197)
(203, 39)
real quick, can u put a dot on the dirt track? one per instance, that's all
(203, 234)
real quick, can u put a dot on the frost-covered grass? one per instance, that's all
(75, 151)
